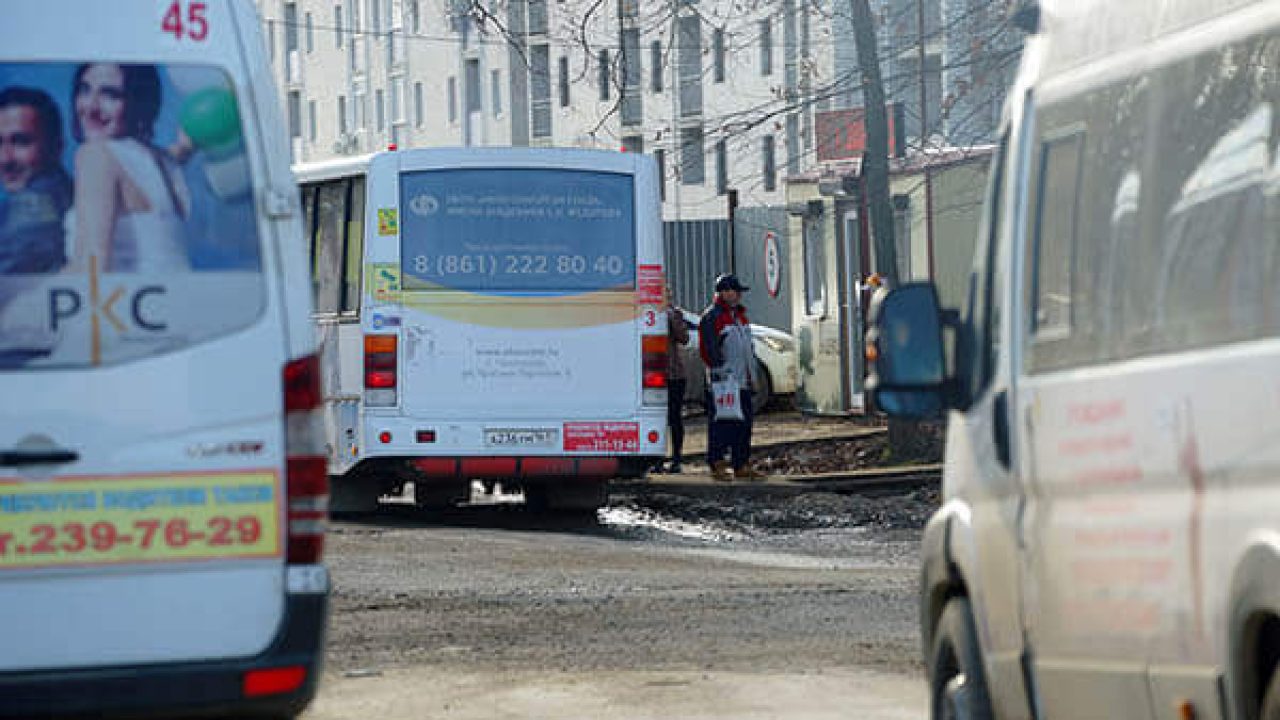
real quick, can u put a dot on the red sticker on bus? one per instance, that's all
(649, 282)
(602, 437)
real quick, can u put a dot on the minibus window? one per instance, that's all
(130, 229)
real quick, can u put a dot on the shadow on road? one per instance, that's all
(498, 516)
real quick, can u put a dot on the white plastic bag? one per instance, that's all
(726, 396)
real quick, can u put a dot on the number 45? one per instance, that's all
(196, 26)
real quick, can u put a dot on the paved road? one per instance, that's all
(642, 613)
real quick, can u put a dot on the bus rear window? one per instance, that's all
(127, 221)
(501, 230)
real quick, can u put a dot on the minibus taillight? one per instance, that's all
(306, 472)
(380, 370)
(654, 360)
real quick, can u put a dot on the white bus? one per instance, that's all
(488, 314)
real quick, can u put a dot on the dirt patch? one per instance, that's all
(840, 454)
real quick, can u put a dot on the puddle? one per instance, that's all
(624, 518)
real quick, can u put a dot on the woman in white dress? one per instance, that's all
(130, 198)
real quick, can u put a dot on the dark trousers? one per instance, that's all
(675, 417)
(730, 436)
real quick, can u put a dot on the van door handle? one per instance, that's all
(1000, 427)
(21, 458)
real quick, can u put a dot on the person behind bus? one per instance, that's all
(37, 190)
(724, 341)
(677, 335)
(131, 199)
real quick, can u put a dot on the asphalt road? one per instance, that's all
(761, 607)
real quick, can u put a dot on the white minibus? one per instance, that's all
(162, 478)
(1109, 542)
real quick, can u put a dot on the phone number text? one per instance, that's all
(531, 264)
(146, 534)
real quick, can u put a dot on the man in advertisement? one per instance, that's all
(37, 190)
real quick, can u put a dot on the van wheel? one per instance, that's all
(761, 396)
(1271, 701)
(957, 681)
(348, 494)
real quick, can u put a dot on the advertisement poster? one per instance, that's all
(127, 222)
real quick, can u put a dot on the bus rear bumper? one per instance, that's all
(532, 467)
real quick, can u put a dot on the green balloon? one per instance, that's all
(210, 118)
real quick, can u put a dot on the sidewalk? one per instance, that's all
(774, 430)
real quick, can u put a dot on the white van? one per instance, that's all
(1109, 542)
(162, 478)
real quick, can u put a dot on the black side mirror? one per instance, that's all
(905, 352)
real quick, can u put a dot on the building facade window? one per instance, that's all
(633, 144)
(474, 88)
(497, 92)
(693, 164)
(769, 163)
(718, 52)
(452, 90)
(722, 168)
(690, 57)
(311, 33)
(311, 120)
(660, 158)
(564, 81)
(342, 114)
(603, 59)
(337, 26)
(540, 90)
(379, 110)
(655, 66)
(766, 47)
(418, 109)
(295, 114)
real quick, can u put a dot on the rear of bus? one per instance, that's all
(512, 320)
(162, 480)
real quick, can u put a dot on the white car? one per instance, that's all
(774, 374)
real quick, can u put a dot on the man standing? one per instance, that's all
(724, 340)
(37, 190)
(677, 335)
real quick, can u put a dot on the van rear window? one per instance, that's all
(127, 220)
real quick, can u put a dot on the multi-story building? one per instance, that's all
(722, 92)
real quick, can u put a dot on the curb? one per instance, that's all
(868, 481)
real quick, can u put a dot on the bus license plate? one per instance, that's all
(515, 437)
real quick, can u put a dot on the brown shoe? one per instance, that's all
(746, 472)
(720, 472)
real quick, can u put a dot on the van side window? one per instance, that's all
(977, 341)
(1057, 203)
(1214, 257)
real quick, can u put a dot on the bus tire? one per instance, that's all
(957, 679)
(440, 494)
(1271, 700)
(352, 495)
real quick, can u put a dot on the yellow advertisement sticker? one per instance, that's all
(112, 520)
(388, 221)
(384, 279)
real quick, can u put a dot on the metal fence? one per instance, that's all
(698, 250)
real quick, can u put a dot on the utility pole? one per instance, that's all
(733, 229)
(875, 160)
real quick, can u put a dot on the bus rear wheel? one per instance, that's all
(351, 494)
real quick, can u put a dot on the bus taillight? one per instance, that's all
(380, 364)
(654, 361)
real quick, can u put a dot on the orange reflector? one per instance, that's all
(274, 681)
(872, 353)
(1186, 710)
(654, 343)
(379, 343)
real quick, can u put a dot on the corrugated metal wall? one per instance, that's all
(698, 250)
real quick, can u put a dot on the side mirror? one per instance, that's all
(905, 352)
